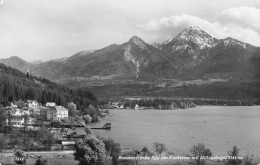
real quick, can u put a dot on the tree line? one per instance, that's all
(159, 103)
(186, 103)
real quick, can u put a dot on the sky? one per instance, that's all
(50, 29)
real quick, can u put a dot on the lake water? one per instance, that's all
(218, 127)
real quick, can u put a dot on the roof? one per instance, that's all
(30, 101)
(60, 108)
(76, 136)
(57, 108)
(50, 104)
(67, 142)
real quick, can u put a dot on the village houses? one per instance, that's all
(56, 112)
(18, 110)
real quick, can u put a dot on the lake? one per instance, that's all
(218, 127)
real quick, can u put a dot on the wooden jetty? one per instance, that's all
(106, 126)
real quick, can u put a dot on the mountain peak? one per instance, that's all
(15, 58)
(193, 28)
(136, 40)
(231, 39)
(197, 36)
(231, 42)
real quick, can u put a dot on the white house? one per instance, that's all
(13, 106)
(57, 112)
(18, 121)
(32, 104)
(15, 121)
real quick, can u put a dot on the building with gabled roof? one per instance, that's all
(32, 103)
(57, 113)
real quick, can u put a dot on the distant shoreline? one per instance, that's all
(178, 103)
(179, 109)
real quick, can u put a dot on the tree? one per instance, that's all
(90, 151)
(1, 98)
(159, 148)
(44, 97)
(113, 150)
(2, 117)
(2, 143)
(45, 137)
(90, 110)
(116, 150)
(108, 145)
(87, 119)
(72, 109)
(198, 151)
(30, 94)
(26, 120)
(93, 112)
(233, 153)
(88, 130)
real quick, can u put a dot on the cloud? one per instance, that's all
(243, 16)
(161, 29)
(2, 2)
(167, 27)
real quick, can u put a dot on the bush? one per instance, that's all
(41, 161)
(19, 157)
(16, 142)
(107, 111)
(159, 148)
(249, 160)
(146, 152)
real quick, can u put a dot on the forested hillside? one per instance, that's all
(15, 85)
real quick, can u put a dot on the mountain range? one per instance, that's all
(192, 54)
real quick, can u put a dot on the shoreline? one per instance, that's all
(178, 109)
